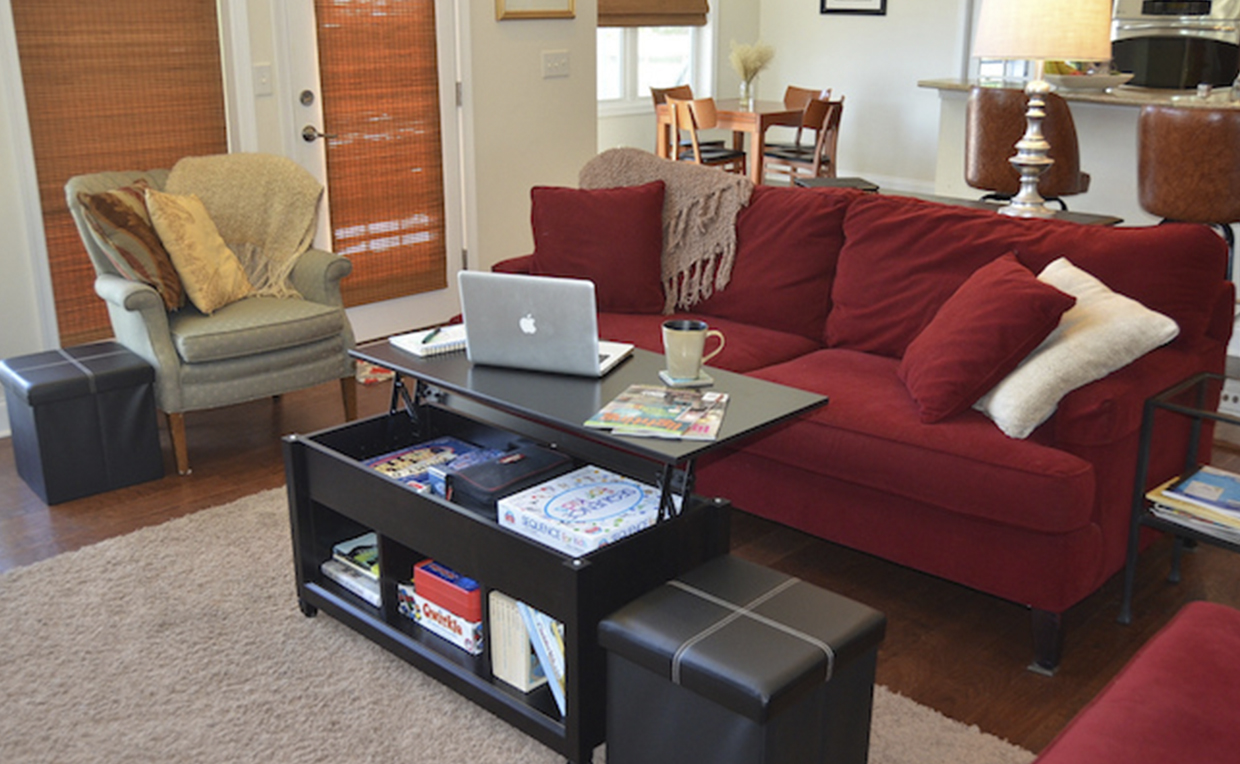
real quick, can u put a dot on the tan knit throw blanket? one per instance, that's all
(265, 208)
(699, 217)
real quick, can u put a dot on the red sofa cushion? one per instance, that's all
(1174, 701)
(788, 242)
(611, 236)
(747, 348)
(904, 257)
(870, 434)
(983, 331)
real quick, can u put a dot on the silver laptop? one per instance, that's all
(535, 322)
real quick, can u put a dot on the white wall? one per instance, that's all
(889, 132)
(526, 130)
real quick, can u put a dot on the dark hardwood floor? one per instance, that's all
(948, 647)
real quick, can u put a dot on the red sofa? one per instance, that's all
(828, 289)
(1174, 701)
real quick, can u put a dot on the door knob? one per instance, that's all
(310, 133)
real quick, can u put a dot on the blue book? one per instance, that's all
(1209, 487)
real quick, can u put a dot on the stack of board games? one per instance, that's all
(581, 511)
(410, 465)
(354, 564)
(448, 604)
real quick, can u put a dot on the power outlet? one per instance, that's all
(555, 64)
(1229, 401)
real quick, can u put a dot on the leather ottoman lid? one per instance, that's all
(73, 372)
(746, 637)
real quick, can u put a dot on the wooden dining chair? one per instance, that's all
(692, 115)
(682, 92)
(813, 161)
(802, 99)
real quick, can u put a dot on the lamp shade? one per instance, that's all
(1047, 30)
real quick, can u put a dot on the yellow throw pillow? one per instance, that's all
(212, 274)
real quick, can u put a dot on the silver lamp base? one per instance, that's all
(1031, 159)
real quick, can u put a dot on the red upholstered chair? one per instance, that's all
(995, 121)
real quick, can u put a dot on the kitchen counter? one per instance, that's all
(1124, 95)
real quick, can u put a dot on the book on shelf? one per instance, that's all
(1208, 487)
(581, 511)
(1169, 505)
(352, 579)
(409, 465)
(547, 635)
(434, 341)
(656, 411)
(513, 659)
(360, 553)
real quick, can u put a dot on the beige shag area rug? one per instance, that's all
(184, 643)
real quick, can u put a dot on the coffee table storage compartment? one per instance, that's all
(83, 420)
(734, 663)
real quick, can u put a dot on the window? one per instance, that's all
(631, 60)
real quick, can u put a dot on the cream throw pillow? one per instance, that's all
(1103, 332)
(212, 274)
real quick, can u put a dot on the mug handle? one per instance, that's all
(715, 352)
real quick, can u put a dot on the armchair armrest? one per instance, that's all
(140, 323)
(317, 275)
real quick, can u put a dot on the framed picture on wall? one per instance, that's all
(536, 9)
(874, 7)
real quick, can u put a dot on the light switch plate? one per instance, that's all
(555, 63)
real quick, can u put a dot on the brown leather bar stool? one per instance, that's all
(1188, 166)
(996, 121)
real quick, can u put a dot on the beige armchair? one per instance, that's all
(261, 345)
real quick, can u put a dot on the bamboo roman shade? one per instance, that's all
(379, 72)
(652, 13)
(116, 85)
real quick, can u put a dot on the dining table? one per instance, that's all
(740, 120)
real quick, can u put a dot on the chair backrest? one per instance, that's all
(1188, 163)
(660, 95)
(828, 136)
(693, 115)
(995, 121)
(796, 97)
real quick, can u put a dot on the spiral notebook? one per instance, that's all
(445, 340)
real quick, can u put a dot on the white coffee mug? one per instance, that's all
(684, 341)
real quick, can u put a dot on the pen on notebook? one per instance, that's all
(430, 335)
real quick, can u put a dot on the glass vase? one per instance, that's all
(747, 95)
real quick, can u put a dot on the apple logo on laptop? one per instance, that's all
(527, 323)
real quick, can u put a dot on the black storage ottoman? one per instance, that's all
(734, 663)
(83, 420)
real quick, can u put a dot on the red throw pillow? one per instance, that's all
(612, 236)
(984, 330)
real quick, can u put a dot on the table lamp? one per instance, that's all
(1040, 31)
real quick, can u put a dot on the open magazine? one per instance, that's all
(654, 411)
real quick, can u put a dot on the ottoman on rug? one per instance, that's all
(83, 420)
(735, 663)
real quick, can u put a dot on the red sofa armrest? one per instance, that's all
(520, 264)
(1174, 701)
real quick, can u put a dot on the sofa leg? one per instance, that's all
(1047, 641)
(180, 447)
(348, 393)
